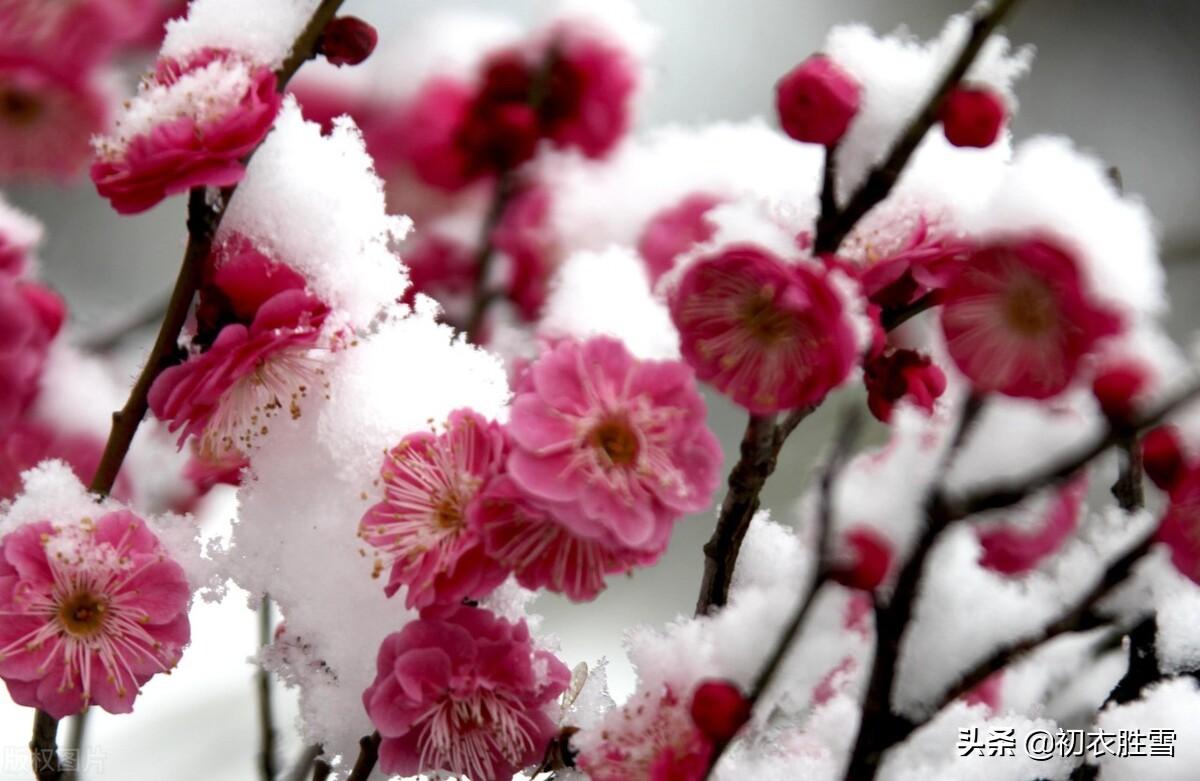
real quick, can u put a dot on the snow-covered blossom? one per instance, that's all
(719, 709)
(30, 317)
(1018, 319)
(816, 101)
(191, 124)
(618, 448)
(770, 335)
(462, 691)
(431, 482)
(259, 328)
(93, 609)
(973, 116)
(651, 738)
(526, 538)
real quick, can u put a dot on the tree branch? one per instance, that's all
(203, 219)
(482, 296)
(843, 444)
(880, 181)
(368, 755)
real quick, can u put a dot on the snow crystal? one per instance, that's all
(263, 30)
(325, 218)
(607, 293)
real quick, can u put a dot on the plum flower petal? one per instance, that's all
(465, 692)
(30, 317)
(226, 395)
(769, 335)
(617, 448)
(92, 611)
(525, 537)
(1013, 551)
(1180, 527)
(1018, 321)
(431, 483)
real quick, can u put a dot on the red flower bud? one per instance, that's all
(816, 101)
(1116, 388)
(347, 40)
(719, 710)
(1162, 456)
(973, 116)
(868, 562)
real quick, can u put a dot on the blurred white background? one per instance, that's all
(1119, 76)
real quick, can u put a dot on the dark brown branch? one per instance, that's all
(1083, 617)
(843, 444)
(203, 219)
(759, 453)
(892, 319)
(77, 729)
(880, 181)
(482, 296)
(1008, 493)
(368, 755)
(266, 718)
(43, 748)
(1129, 490)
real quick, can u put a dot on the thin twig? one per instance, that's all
(843, 444)
(266, 718)
(482, 296)
(203, 219)
(1007, 493)
(880, 728)
(882, 178)
(368, 755)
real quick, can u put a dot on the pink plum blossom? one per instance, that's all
(770, 335)
(894, 374)
(525, 537)
(674, 230)
(226, 395)
(525, 237)
(1018, 319)
(617, 448)
(591, 81)
(895, 273)
(30, 318)
(651, 738)
(48, 116)
(206, 115)
(92, 610)
(462, 691)
(431, 483)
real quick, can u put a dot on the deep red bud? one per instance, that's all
(347, 40)
(868, 562)
(1162, 456)
(719, 710)
(1117, 387)
(973, 117)
(816, 101)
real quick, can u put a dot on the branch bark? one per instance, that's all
(203, 219)
(368, 755)
(266, 719)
